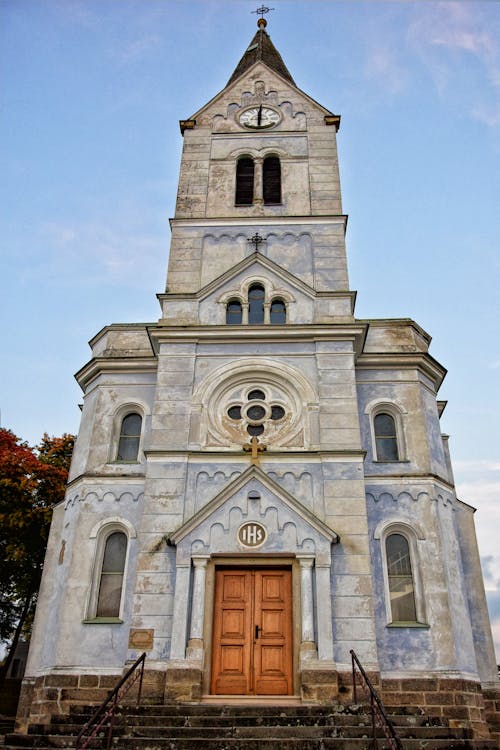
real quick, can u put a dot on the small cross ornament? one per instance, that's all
(255, 447)
(256, 240)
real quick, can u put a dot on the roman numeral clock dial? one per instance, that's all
(258, 118)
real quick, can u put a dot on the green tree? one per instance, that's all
(32, 482)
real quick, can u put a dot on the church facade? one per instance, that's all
(260, 483)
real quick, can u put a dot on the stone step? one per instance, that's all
(206, 723)
(249, 727)
(195, 709)
(302, 714)
(268, 743)
(215, 732)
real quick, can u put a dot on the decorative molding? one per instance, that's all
(282, 384)
(389, 497)
(102, 495)
(117, 522)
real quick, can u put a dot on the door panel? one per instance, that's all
(252, 632)
(232, 624)
(273, 648)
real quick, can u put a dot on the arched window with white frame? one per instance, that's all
(386, 440)
(387, 431)
(404, 592)
(130, 438)
(111, 554)
(112, 574)
(400, 579)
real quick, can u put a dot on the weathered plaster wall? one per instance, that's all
(69, 575)
(445, 640)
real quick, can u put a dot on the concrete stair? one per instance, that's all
(251, 727)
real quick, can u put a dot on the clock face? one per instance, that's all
(259, 117)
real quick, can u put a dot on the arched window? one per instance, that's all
(386, 441)
(256, 296)
(400, 579)
(130, 436)
(244, 181)
(271, 181)
(234, 312)
(278, 312)
(111, 577)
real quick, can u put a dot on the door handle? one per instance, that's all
(257, 631)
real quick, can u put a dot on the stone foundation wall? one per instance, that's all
(492, 711)
(53, 694)
(183, 684)
(462, 702)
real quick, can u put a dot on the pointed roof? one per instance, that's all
(261, 48)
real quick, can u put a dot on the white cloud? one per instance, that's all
(460, 48)
(135, 49)
(490, 115)
(473, 467)
(59, 234)
(384, 67)
(93, 253)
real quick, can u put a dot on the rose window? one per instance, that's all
(256, 413)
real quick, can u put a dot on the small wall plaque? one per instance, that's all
(141, 639)
(252, 534)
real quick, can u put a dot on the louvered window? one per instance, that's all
(244, 182)
(271, 179)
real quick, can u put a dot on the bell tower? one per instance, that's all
(260, 158)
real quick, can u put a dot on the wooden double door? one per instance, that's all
(252, 644)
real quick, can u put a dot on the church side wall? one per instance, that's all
(473, 584)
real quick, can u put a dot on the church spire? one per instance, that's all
(261, 48)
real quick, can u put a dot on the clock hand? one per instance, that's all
(259, 116)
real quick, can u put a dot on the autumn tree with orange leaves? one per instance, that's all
(32, 482)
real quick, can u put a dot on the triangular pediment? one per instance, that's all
(246, 83)
(255, 262)
(254, 497)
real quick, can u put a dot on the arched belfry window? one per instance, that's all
(271, 180)
(386, 441)
(244, 181)
(278, 312)
(256, 296)
(130, 437)
(400, 579)
(234, 313)
(111, 578)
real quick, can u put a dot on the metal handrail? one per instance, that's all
(107, 709)
(377, 709)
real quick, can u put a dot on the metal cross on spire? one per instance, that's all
(262, 10)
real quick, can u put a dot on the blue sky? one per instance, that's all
(91, 92)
